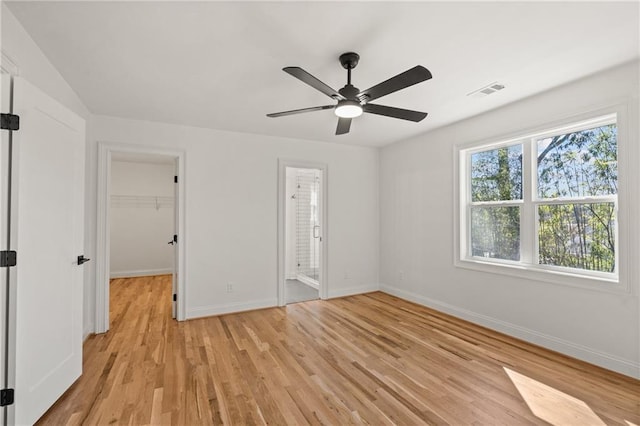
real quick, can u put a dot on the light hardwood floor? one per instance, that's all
(370, 358)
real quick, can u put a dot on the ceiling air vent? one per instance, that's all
(486, 90)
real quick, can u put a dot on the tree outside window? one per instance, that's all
(581, 167)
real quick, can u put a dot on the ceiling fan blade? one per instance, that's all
(299, 111)
(344, 124)
(305, 77)
(403, 114)
(408, 78)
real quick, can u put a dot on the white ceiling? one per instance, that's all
(218, 64)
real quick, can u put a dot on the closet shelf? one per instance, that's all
(142, 201)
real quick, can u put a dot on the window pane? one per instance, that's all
(578, 236)
(495, 232)
(497, 174)
(579, 164)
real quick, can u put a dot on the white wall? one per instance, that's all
(34, 66)
(417, 234)
(140, 231)
(231, 210)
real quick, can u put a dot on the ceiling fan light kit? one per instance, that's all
(348, 109)
(351, 102)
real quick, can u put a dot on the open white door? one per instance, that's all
(7, 296)
(174, 283)
(49, 191)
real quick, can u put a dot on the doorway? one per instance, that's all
(140, 221)
(302, 232)
(142, 217)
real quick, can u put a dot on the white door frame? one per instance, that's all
(324, 234)
(105, 151)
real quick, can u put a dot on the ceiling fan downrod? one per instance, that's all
(349, 61)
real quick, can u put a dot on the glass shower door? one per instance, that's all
(308, 226)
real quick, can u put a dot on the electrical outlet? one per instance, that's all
(347, 275)
(229, 287)
(401, 275)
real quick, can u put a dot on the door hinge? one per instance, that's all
(175, 179)
(9, 122)
(175, 297)
(8, 258)
(6, 397)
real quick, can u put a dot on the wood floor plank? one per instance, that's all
(367, 359)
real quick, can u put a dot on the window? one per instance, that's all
(546, 202)
(496, 199)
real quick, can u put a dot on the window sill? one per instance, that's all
(568, 278)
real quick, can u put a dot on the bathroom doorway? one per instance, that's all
(304, 233)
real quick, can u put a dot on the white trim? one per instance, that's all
(546, 274)
(352, 291)
(141, 273)
(616, 282)
(528, 212)
(624, 366)
(599, 114)
(231, 308)
(324, 244)
(102, 240)
(308, 281)
(105, 150)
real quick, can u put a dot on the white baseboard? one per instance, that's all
(308, 281)
(208, 311)
(350, 291)
(140, 273)
(608, 361)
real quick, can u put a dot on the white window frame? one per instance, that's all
(528, 266)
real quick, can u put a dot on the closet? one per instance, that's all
(142, 216)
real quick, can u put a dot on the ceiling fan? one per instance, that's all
(352, 102)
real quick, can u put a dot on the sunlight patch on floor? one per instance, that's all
(552, 405)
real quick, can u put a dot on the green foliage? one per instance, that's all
(495, 232)
(580, 164)
(575, 234)
(578, 236)
(497, 174)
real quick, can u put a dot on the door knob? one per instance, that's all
(82, 259)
